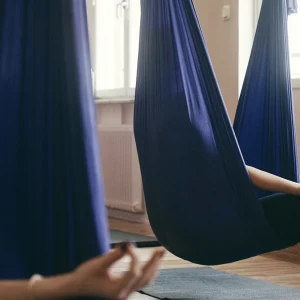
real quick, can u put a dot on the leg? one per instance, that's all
(283, 214)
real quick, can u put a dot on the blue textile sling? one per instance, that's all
(52, 212)
(264, 121)
(199, 197)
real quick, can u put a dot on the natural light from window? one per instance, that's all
(294, 42)
(117, 26)
(117, 43)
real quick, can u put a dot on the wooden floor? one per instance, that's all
(278, 267)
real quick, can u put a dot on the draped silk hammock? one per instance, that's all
(264, 121)
(52, 206)
(200, 201)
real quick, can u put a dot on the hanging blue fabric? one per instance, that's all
(52, 213)
(200, 201)
(264, 121)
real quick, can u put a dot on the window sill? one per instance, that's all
(296, 83)
(114, 100)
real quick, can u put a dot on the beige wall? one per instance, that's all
(223, 42)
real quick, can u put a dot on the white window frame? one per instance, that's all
(125, 94)
(257, 7)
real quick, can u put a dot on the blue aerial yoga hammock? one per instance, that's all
(264, 121)
(200, 201)
(52, 212)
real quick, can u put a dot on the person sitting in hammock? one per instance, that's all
(281, 209)
(91, 279)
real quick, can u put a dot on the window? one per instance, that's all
(294, 43)
(294, 39)
(116, 42)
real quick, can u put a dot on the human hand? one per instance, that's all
(93, 278)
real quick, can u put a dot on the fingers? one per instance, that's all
(131, 276)
(135, 278)
(113, 256)
(150, 270)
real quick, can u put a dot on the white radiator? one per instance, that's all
(120, 167)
